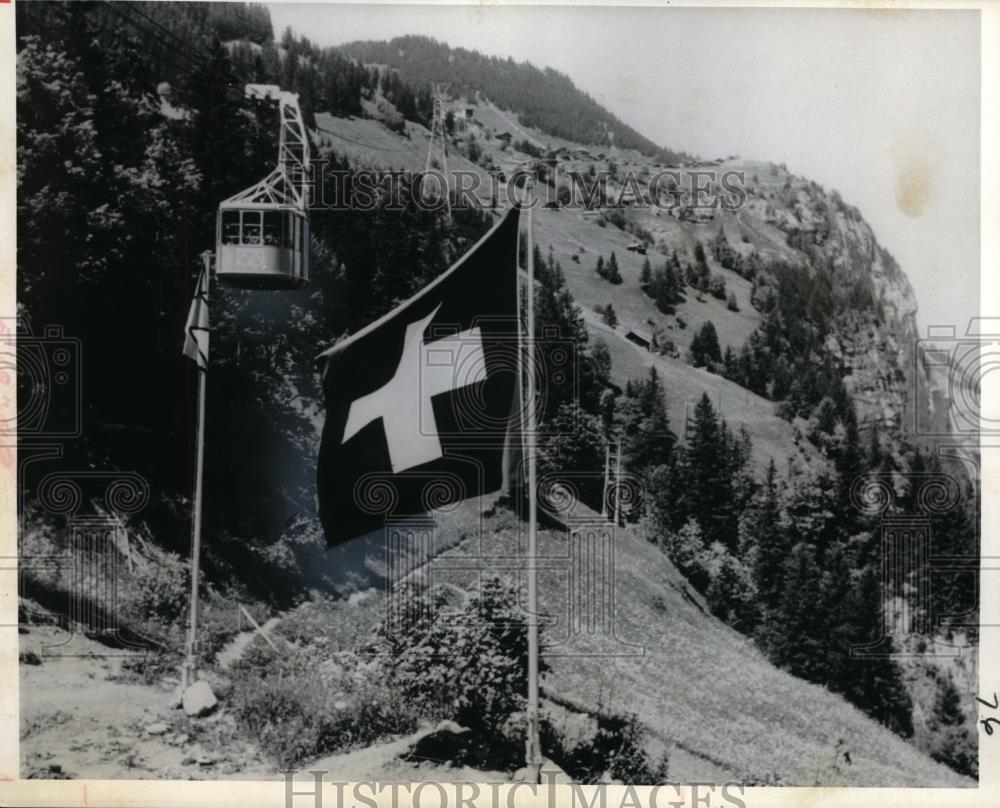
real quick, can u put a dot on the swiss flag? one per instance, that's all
(418, 403)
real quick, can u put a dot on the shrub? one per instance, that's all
(468, 665)
(731, 594)
(157, 593)
(717, 286)
(296, 716)
(955, 747)
(615, 751)
(299, 705)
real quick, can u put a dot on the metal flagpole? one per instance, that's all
(618, 483)
(534, 752)
(607, 469)
(191, 663)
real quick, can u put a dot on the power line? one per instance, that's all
(97, 25)
(121, 15)
(186, 45)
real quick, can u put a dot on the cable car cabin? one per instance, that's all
(262, 246)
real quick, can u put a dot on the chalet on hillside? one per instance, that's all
(640, 338)
(637, 247)
(506, 137)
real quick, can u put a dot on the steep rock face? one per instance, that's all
(877, 343)
(875, 334)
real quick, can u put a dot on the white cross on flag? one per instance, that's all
(419, 402)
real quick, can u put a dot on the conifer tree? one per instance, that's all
(771, 542)
(707, 495)
(574, 442)
(648, 440)
(705, 351)
(613, 275)
(873, 682)
(794, 635)
(850, 464)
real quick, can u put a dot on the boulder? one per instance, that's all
(177, 697)
(159, 728)
(199, 699)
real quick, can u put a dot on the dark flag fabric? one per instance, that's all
(196, 327)
(418, 403)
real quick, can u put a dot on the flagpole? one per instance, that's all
(607, 470)
(534, 752)
(191, 662)
(618, 482)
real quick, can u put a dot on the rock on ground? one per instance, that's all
(199, 699)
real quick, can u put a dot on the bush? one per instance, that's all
(717, 286)
(300, 705)
(955, 747)
(467, 666)
(157, 594)
(615, 751)
(295, 715)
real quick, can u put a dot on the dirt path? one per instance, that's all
(232, 652)
(81, 716)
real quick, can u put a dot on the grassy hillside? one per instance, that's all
(699, 688)
(703, 693)
(576, 239)
(548, 99)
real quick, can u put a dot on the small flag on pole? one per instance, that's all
(418, 403)
(196, 328)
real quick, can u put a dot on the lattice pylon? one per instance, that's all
(439, 134)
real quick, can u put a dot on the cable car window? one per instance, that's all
(272, 228)
(251, 227)
(230, 227)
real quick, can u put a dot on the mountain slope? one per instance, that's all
(698, 687)
(546, 98)
(793, 278)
